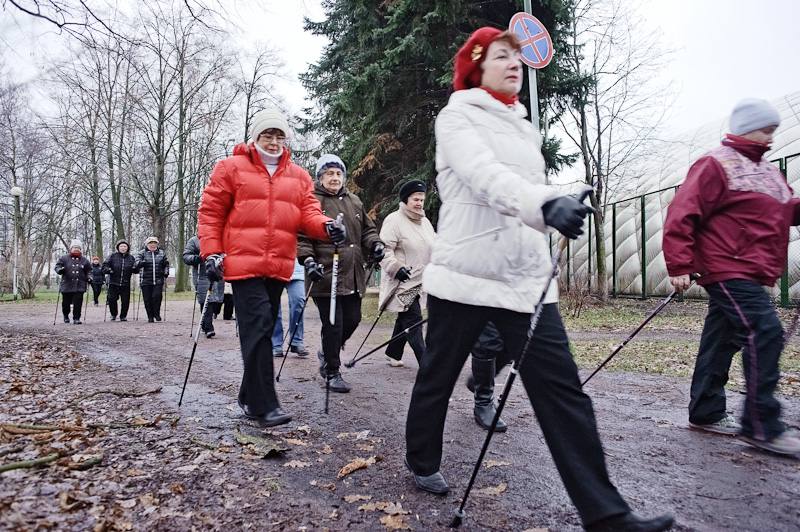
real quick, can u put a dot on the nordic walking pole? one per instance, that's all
(294, 332)
(105, 310)
(194, 347)
(537, 311)
(138, 298)
(387, 342)
(381, 309)
(334, 276)
(85, 305)
(166, 279)
(57, 298)
(652, 315)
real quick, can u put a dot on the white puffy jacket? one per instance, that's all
(491, 247)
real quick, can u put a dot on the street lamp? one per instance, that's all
(16, 192)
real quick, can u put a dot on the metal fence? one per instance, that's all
(634, 261)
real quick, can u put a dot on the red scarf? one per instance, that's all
(507, 99)
(749, 148)
(75, 253)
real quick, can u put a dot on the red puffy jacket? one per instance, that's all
(730, 218)
(254, 217)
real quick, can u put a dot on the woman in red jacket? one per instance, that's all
(730, 222)
(252, 209)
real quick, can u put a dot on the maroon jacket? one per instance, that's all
(730, 218)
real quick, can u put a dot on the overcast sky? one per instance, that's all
(724, 49)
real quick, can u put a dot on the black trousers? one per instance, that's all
(96, 289)
(490, 346)
(741, 315)
(151, 297)
(227, 307)
(414, 337)
(348, 316)
(207, 319)
(551, 380)
(256, 302)
(73, 300)
(119, 292)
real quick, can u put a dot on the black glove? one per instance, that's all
(313, 270)
(566, 214)
(377, 252)
(336, 232)
(194, 260)
(59, 269)
(214, 268)
(166, 273)
(106, 270)
(403, 274)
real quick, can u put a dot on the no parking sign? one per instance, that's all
(534, 39)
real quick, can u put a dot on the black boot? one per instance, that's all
(483, 371)
(337, 383)
(631, 522)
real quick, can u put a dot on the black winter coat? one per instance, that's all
(153, 267)
(75, 273)
(97, 274)
(120, 267)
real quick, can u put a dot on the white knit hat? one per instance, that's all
(752, 114)
(269, 118)
(76, 244)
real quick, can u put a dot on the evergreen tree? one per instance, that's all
(386, 74)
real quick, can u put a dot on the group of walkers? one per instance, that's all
(78, 273)
(265, 224)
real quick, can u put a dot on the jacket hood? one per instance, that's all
(122, 241)
(749, 148)
(329, 159)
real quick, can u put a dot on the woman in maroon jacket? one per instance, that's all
(730, 222)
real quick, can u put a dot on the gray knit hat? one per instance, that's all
(752, 114)
(76, 244)
(270, 118)
(329, 159)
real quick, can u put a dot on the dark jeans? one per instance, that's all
(414, 337)
(256, 302)
(295, 291)
(741, 315)
(151, 297)
(96, 289)
(227, 307)
(348, 316)
(207, 319)
(74, 300)
(550, 377)
(123, 293)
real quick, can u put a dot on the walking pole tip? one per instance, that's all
(458, 518)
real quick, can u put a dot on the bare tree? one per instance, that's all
(613, 116)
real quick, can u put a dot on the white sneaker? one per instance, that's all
(727, 425)
(787, 442)
(394, 363)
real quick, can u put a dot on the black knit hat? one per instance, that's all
(410, 187)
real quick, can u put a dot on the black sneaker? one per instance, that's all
(77, 322)
(210, 334)
(123, 319)
(158, 318)
(66, 319)
(150, 320)
(114, 318)
(338, 384)
(277, 353)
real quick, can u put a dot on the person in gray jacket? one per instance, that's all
(75, 271)
(191, 257)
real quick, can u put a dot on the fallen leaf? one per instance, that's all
(356, 498)
(262, 446)
(395, 508)
(330, 486)
(355, 465)
(293, 441)
(304, 428)
(297, 464)
(365, 447)
(68, 502)
(492, 490)
(373, 506)
(127, 503)
(395, 522)
(177, 488)
(187, 468)
(536, 530)
(326, 450)
(495, 463)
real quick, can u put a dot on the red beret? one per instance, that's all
(469, 57)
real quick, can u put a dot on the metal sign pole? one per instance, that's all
(532, 88)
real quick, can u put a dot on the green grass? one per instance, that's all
(49, 296)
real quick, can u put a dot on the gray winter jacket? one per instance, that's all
(191, 257)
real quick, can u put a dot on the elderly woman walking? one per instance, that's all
(153, 268)
(408, 236)
(75, 271)
(362, 244)
(491, 263)
(203, 288)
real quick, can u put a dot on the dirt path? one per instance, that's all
(710, 483)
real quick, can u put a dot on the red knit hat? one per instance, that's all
(467, 63)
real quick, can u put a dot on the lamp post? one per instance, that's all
(16, 192)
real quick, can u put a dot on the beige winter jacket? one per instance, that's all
(408, 238)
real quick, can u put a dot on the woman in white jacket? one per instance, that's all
(408, 236)
(490, 262)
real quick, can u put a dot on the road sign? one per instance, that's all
(537, 47)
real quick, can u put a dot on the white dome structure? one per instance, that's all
(623, 224)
